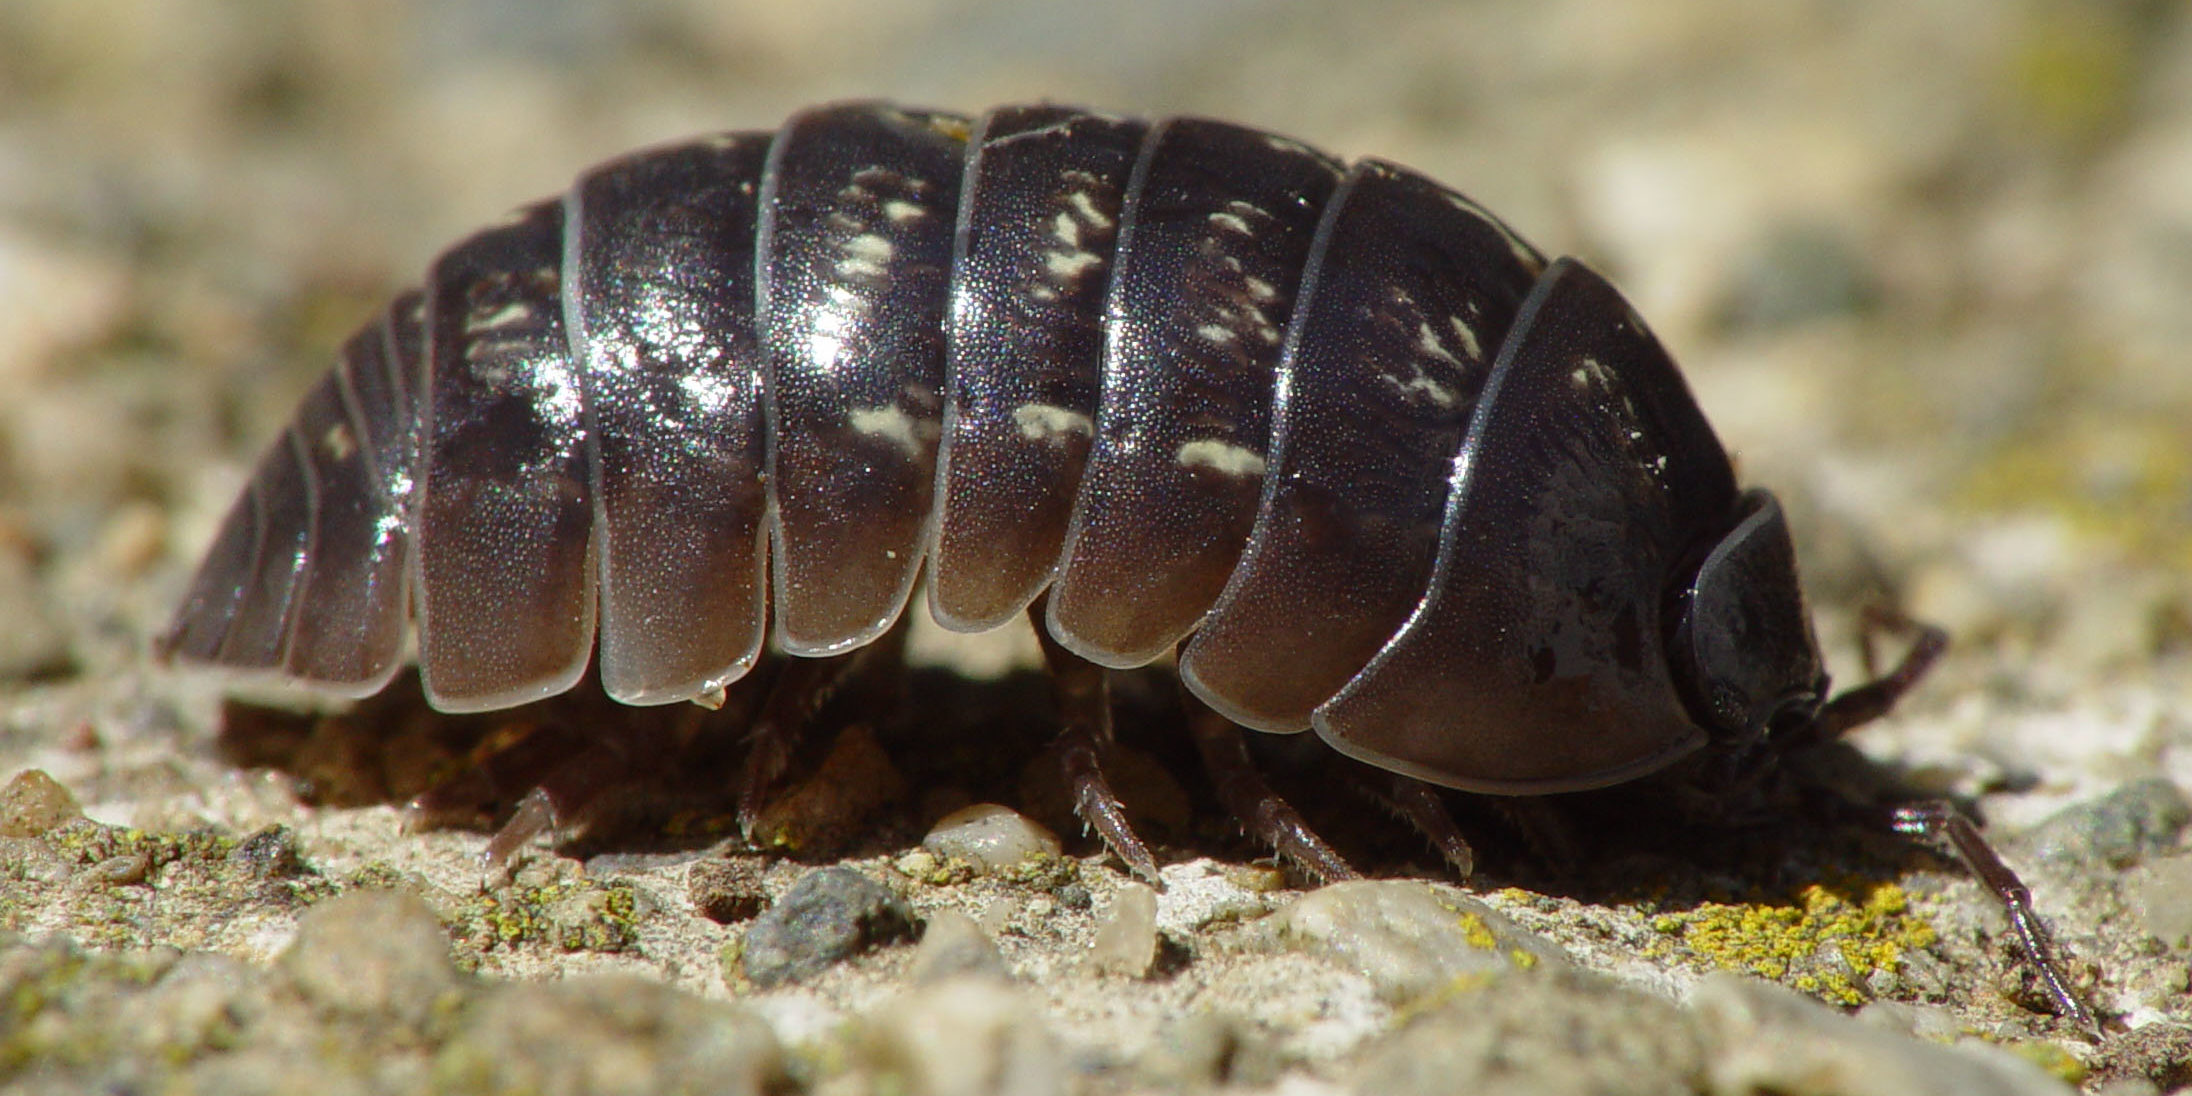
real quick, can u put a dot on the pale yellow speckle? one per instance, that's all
(1047, 422)
(1468, 337)
(1220, 456)
(889, 424)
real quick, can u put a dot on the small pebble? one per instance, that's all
(34, 803)
(953, 946)
(727, 891)
(962, 1037)
(2138, 820)
(1257, 878)
(33, 647)
(989, 837)
(270, 853)
(827, 916)
(1126, 943)
(121, 871)
(1409, 938)
(375, 955)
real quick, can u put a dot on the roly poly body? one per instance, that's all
(1385, 470)
(1362, 455)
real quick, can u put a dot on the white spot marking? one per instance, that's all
(1068, 266)
(901, 211)
(1220, 456)
(1085, 208)
(1230, 222)
(1427, 342)
(891, 425)
(1066, 230)
(1217, 333)
(338, 442)
(513, 312)
(1048, 422)
(1588, 373)
(1260, 291)
(1436, 392)
(1468, 337)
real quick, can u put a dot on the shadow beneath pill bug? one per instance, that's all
(895, 751)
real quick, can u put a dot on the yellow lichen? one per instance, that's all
(1871, 926)
(1476, 933)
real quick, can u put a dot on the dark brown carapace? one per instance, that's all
(1368, 461)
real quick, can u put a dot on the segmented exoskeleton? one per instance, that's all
(1367, 460)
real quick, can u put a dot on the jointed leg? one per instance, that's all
(1940, 823)
(1252, 801)
(1084, 712)
(802, 687)
(1420, 805)
(1873, 699)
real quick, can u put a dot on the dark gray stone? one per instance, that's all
(828, 915)
(2130, 824)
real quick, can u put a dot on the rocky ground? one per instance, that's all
(1928, 267)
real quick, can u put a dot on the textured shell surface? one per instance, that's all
(1354, 449)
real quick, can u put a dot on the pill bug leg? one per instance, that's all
(1242, 790)
(1419, 805)
(1864, 703)
(1083, 692)
(1939, 823)
(799, 693)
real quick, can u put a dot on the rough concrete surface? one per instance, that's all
(1927, 266)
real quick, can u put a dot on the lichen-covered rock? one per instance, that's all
(2138, 820)
(1538, 1035)
(831, 809)
(2161, 893)
(829, 914)
(1408, 938)
(1205, 1049)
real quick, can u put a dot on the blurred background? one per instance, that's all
(1928, 264)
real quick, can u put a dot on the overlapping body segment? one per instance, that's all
(1184, 375)
(1024, 335)
(1411, 289)
(660, 260)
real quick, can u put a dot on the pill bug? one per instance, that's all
(1364, 457)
